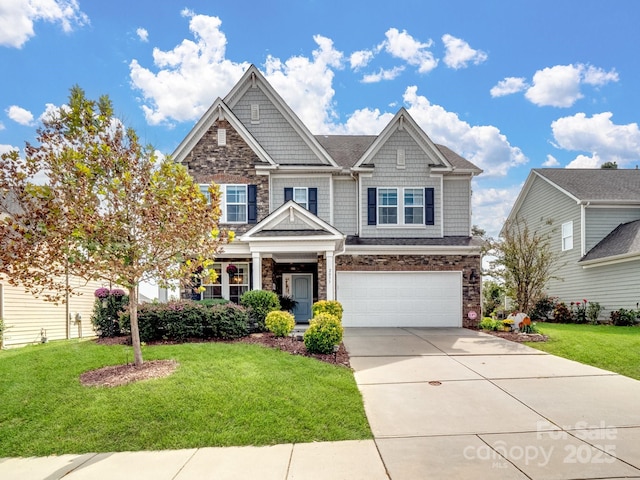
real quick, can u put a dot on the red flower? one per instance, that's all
(584, 300)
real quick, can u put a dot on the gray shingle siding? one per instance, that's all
(278, 184)
(273, 131)
(456, 207)
(345, 210)
(600, 222)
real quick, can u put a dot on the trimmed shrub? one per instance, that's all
(280, 323)
(623, 317)
(332, 307)
(228, 321)
(210, 302)
(488, 323)
(259, 303)
(543, 308)
(325, 331)
(108, 307)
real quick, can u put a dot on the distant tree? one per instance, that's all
(524, 261)
(493, 294)
(476, 231)
(108, 210)
(611, 165)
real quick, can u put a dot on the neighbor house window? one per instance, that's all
(204, 190)
(387, 206)
(235, 204)
(413, 206)
(567, 236)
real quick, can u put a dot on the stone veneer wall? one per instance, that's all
(268, 278)
(468, 264)
(322, 277)
(230, 164)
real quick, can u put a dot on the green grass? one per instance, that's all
(604, 346)
(220, 395)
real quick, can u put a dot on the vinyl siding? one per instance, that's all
(456, 207)
(600, 222)
(345, 210)
(278, 184)
(26, 317)
(545, 208)
(273, 131)
(414, 175)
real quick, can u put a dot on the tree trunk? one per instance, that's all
(135, 332)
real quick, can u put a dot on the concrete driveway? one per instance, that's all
(454, 403)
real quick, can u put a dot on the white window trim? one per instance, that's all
(400, 209)
(224, 278)
(567, 236)
(223, 204)
(379, 206)
(306, 196)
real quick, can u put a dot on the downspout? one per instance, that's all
(357, 180)
(583, 228)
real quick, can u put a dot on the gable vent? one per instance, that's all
(222, 137)
(255, 113)
(400, 158)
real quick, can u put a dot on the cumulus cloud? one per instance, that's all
(459, 54)
(599, 136)
(491, 206)
(585, 161)
(7, 148)
(143, 34)
(360, 59)
(508, 86)
(20, 115)
(551, 162)
(597, 76)
(17, 18)
(404, 46)
(382, 74)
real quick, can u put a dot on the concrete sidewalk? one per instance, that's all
(455, 403)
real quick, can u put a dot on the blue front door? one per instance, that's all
(302, 292)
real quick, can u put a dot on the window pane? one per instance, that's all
(388, 196)
(236, 213)
(300, 196)
(414, 197)
(388, 206)
(204, 189)
(236, 194)
(413, 215)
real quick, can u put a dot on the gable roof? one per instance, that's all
(595, 185)
(219, 110)
(623, 242)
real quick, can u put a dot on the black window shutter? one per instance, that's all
(371, 206)
(429, 206)
(288, 194)
(313, 200)
(252, 204)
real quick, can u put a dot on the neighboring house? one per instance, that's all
(380, 223)
(593, 218)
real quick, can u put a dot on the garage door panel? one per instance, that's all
(403, 299)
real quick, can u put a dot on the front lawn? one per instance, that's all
(605, 346)
(221, 394)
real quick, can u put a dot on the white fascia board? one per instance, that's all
(236, 247)
(303, 246)
(601, 262)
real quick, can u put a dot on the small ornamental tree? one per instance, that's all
(109, 209)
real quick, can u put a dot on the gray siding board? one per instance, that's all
(345, 210)
(600, 222)
(278, 184)
(273, 131)
(545, 209)
(456, 207)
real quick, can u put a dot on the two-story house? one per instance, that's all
(381, 223)
(592, 217)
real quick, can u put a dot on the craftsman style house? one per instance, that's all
(380, 223)
(592, 217)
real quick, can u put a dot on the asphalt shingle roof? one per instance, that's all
(624, 240)
(621, 185)
(435, 242)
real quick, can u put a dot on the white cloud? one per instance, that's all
(459, 53)
(404, 46)
(143, 34)
(584, 161)
(50, 112)
(551, 161)
(7, 148)
(20, 115)
(557, 86)
(360, 59)
(484, 145)
(382, 74)
(18, 16)
(508, 86)
(491, 206)
(364, 121)
(597, 76)
(599, 136)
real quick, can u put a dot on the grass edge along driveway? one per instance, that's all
(604, 346)
(221, 394)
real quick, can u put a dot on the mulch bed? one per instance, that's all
(519, 337)
(116, 375)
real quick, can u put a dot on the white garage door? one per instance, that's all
(400, 299)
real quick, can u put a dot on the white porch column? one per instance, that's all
(331, 264)
(257, 270)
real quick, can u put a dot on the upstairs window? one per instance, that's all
(303, 196)
(417, 206)
(387, 206)
(236, 204)
(567, 236)
(413, 206)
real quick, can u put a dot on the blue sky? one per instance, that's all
(510, 85)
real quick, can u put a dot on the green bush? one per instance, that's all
(259, 303)
(280, 323)
(488, 323)
(543, 308)
(107, 309)
(325, 331)
(210, 302)
(228, 321)
(562, 314)
(593, 312)
(332, 307)
(623, 317)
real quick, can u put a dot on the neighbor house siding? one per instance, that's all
(323, 184)
(414, 175)
(601, 221)
(27, 318)
(273, 131)
(456, 206)
(345, 209)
